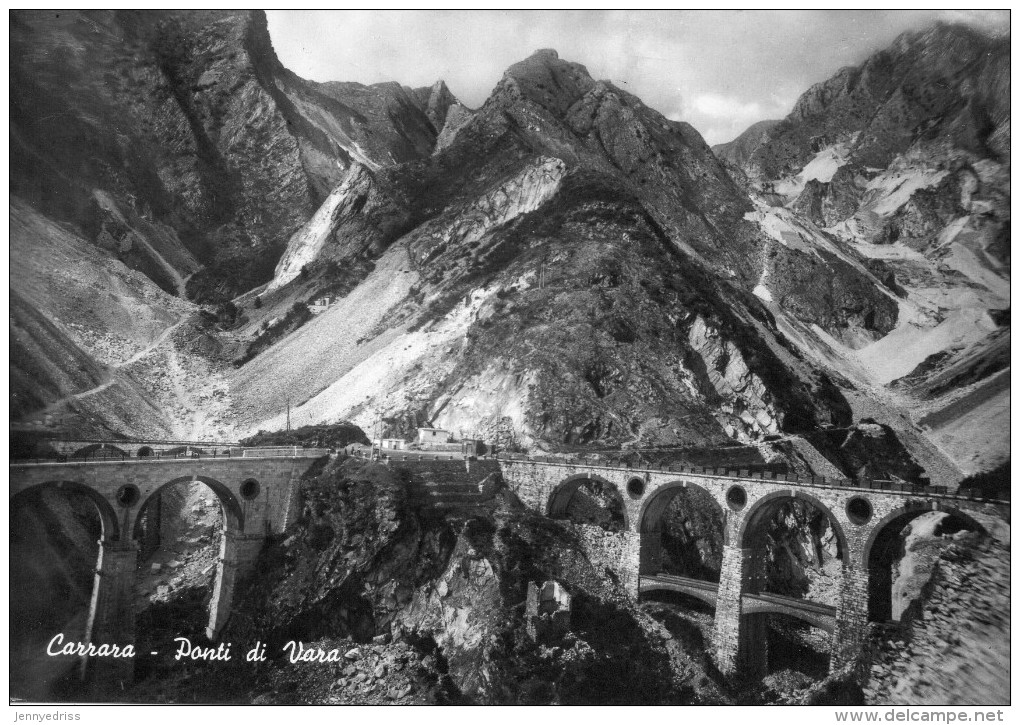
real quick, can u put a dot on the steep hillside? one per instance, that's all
(78, 316)
(178, 140)
(572, 267)
(174, 145)
(903, 165)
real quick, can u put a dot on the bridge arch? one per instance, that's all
(820, 619)
(91, 450)
(561, 497)
(651, 523)
(145, 452)
(107, 515)
(762, 510)
(233, 515)
(59, 553)
(883, 549)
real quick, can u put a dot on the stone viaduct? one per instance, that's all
(259, 496)
(865, 520)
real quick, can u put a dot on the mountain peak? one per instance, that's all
(546, 53)
(544, 78)
(436, 101)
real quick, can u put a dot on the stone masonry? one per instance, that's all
(857, 515)
(259, 497)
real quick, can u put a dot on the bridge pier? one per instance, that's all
(851, 630)
(732, 577)
(741, 638)
(238, 553)
(112, 614)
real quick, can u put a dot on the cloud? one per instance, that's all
(995, 22)
(723, 117)
(717, 105)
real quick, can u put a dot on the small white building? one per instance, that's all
(321, 304)
(393, 444)
(427, 436)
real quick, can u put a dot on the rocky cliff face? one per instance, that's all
(899, 167)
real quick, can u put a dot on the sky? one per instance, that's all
(720, 70)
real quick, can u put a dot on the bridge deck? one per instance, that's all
(237, 454)
(878, 486)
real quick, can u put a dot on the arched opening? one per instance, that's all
(682, 532)
(682, 536)
(100, 450)
(145, 452)
(797, 547)
(797, 550)
(901, 554)
(55, 529)
(179, 529)
(589, 500)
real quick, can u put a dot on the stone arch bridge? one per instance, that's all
(258, 495)
(866, 520)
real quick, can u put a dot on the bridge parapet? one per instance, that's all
(107, 452)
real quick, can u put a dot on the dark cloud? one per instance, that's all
(718, 70)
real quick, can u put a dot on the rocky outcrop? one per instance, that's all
(745, 405)
(457, 116)
(735, 153)
(357, 218)
(464, 226)
(437, 101)
(828, 203)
